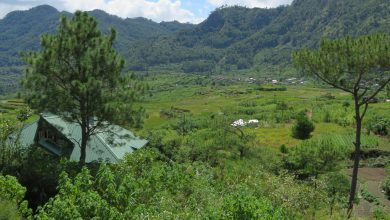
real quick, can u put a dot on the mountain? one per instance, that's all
(241, 38)
(230, 38)
(21, 30)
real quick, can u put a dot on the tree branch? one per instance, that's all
(364, 111)
(376, 92)
(363, 93)
(332, 84)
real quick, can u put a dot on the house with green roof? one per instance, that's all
(62, 138)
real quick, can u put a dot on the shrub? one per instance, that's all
(249, 207)
(337, 188)
(386, 183)
(12, 193)
(379, 125)
(368, 196)
(283, 149)
(302, 128)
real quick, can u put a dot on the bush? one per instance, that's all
(12, 205)
(379, 125)
(249, 207)
(337, 188)
(386, 183)
(302, 128)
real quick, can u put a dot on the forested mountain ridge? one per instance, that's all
(230, 38)
(21, 30)
(237, 37)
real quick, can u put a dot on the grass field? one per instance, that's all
(246, 101)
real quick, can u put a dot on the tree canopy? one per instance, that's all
(78, 75)
(359, 66)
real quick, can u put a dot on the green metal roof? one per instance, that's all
(109, 144)
(27, 134)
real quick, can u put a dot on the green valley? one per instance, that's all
(254, 113)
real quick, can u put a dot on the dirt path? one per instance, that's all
(373, 179)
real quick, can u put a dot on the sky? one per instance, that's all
(193, 11)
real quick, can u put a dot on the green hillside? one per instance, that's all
(241, 38)
(21, 30)
(230, 39)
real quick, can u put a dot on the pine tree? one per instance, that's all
(78, 75)
(359, 66)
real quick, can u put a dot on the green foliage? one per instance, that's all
(303, 128)
(283, 149)
(368, 196)
(381, 214)
(77, 75)
(388, 91)
(269, 89)
(21, 30)
(140, 186)
(386, 183)
(242, 206)
(314, 157)
(282, 106)
(327, 117)
(11, 153)
(11, 196)
(184, 125)
(238, 38)
(230, 39)
(337, 188)
(378, 125)
(8, 210)
(359, 67)
(144, 186)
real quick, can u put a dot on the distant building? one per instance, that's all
(274, 81)
(242, 123)
(62, 138)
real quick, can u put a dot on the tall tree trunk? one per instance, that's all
(356, 156)
(83, 146)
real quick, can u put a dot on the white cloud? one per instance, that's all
(250, 3)
(160, 10)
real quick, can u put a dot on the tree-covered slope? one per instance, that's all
(237, 37)
(21, 30)
(230, 38)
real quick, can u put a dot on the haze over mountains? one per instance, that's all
(230, 38)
